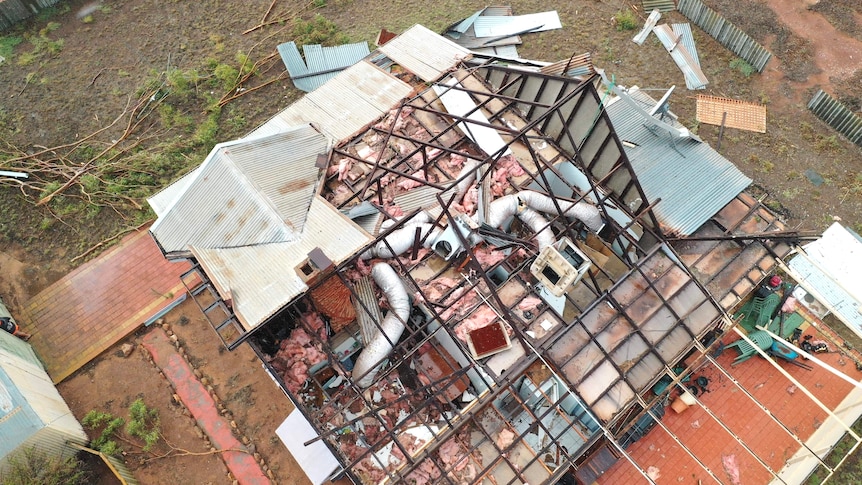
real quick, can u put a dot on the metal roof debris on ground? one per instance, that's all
(641, 36)
(838, 116)
(731, 113)
(660, 5)
(491, 26)
(321, 63)
(727, 34)
(687, 38)
(694, 77)
(464, 34)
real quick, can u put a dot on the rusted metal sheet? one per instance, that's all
(263, 278)
(347, 103)
(424, 53)
(836, 115)
(733, 113)
(332, 298)
(725, 33)
(694, 77)
(581, 65)
(236, 198)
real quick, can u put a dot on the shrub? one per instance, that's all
(31, 467)
(742, 66)
(626, 20)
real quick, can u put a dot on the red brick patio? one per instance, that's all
(101, 302)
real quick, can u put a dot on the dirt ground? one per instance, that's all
(103, 62)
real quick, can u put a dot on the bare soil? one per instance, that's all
(62, 97)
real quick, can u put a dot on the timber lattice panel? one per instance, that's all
(742, 115)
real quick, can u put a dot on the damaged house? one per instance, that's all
(465, 272)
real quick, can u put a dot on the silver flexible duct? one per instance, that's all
(380, 346)
(400, 240)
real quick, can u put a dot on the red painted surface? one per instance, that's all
(198, 401)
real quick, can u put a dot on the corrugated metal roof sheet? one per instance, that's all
(327, 61)
(694, 77)
(687, 39)
(249, 191)
(832, 267)
(32, 412)
(692, 180)
(493, 26)
(346, 104)
(262, 279)
(424, 53)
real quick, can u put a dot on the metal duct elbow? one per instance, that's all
(400, 240)
(380, 345)
(511, 205)
(583, 211)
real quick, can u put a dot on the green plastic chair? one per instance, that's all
(746, 351)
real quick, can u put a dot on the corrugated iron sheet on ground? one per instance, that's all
(424, 53)
(683, 31)
(262, 278)
(492, 26)
(725, 33)
(692, 180)
(641, 36)
(321, 63)
(581, 65)
(836, 115)
(346, 104)
(660, 5)
(694, 77)
(740, 114)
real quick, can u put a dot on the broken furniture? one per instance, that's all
(760, 338)
(786, 354)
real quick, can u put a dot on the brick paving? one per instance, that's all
(203, 408)
(710, 442)
(99, 303)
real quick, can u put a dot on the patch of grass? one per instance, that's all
(828, 144)
(317, 30)
(625, 20)
(742, 66)
(7, 45)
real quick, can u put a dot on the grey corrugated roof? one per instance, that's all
(424, 53)
(692, 180)
(248, 191)
(327, 61)
(694, 77)
(351, 100)
(262, 279)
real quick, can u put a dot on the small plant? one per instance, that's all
(742, 66)
(8, 43)
(317, 30)
(625, 20)
(143, 424)
(828, 144)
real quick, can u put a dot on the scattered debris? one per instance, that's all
(126, 349)
(731, 113)
(321, 63)
(648, 26)
(653, 472)
(791, 389)
(731, 467)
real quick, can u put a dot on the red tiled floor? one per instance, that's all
(99, 303)
(764, 437)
